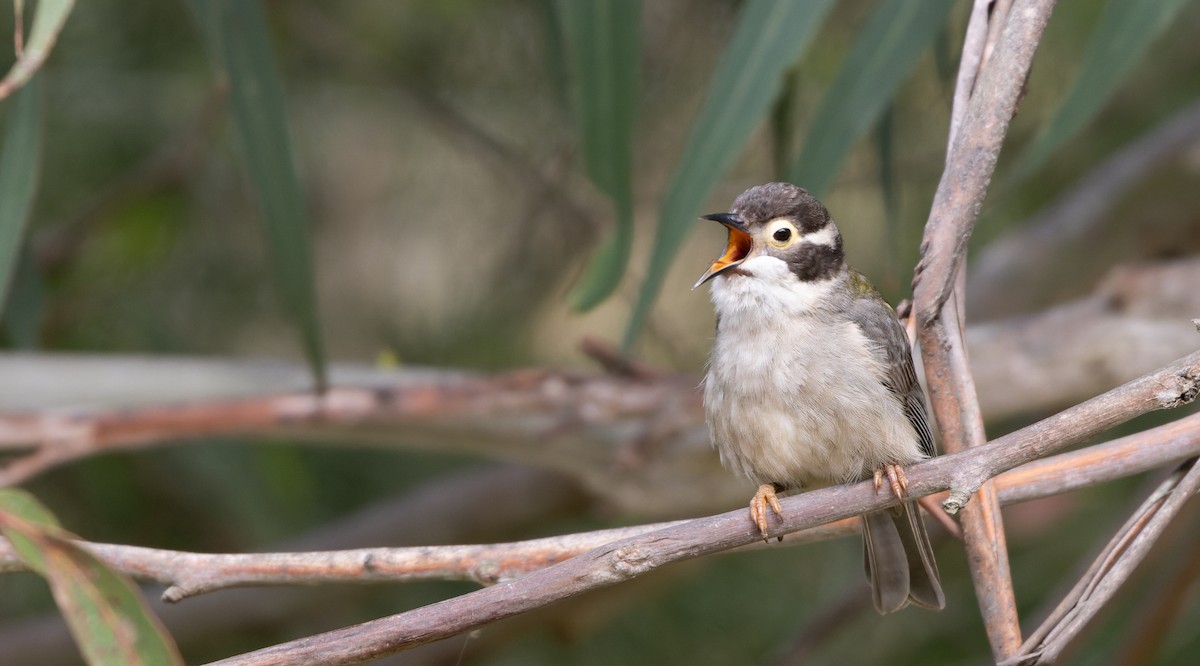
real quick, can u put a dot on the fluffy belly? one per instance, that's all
(804, 418)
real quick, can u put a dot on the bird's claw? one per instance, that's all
(897, 480)
(758, 508)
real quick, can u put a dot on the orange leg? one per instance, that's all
(896, 480)
(758, 507)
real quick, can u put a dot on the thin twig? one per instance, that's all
(1163, 606)
(968, 67)
(621, 560)
(1112, 567)
(18, 28)
(444, 510)
(194, 573)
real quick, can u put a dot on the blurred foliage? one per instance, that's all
(454, 163)
(106, 611)
(603, 37)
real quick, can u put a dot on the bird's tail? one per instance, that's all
(899, 560)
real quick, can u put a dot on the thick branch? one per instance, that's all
(195, 573)
(971, 159)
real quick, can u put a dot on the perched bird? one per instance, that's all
(811, 380)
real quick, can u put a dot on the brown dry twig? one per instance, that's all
(634, 556)
(975, 147)
(1111, 568)
(190, 574)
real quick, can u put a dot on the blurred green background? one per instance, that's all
(453, 198)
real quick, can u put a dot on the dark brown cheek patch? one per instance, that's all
(812, 262)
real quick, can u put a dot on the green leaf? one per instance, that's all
(1121, 37)
(769, 37)
(48, 19)
(883, 55)
(106, 612)
(26, 305)
(602, 41)
(237, 34)
(19, 166)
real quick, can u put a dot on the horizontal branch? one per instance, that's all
(445, 509)
(624, 437)
(189, 574)
(637, 555)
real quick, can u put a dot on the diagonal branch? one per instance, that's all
(637, 555)
(1111, 568)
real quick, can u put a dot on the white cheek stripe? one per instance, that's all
(826, 235)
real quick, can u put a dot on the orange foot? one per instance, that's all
(758, 507)
(896, 480)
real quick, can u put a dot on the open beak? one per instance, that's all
(736, 249)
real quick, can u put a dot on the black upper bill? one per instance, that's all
(732, 220)
(737, 246)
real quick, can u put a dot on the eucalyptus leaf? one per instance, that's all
(105, 611)
(237, 34)
(20, 159)
(770, 37)
(882, 57)
(602, 40)
(26, 306)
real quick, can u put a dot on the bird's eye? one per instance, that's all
(781, 232)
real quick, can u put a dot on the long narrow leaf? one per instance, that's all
(26, 305)
(236, 31)
(602, 40)
(19, 166)
(1122, 35)
(48, 19)
(770, 36)
(106, 612)
(883, 55)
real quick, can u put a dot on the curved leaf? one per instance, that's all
(106, 613)
(19, 167)
(602, 41)
(236, 32)
(769, 37)
(883, 55)
(1122, 35)
(48, 20)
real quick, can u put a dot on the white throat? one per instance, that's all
(767, 288)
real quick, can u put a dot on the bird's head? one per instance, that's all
(778, 222)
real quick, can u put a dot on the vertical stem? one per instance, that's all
(976, 137)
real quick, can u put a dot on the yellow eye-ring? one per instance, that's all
(781, 233)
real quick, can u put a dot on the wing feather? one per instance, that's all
(878, 322)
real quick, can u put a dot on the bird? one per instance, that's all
(811, 382)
